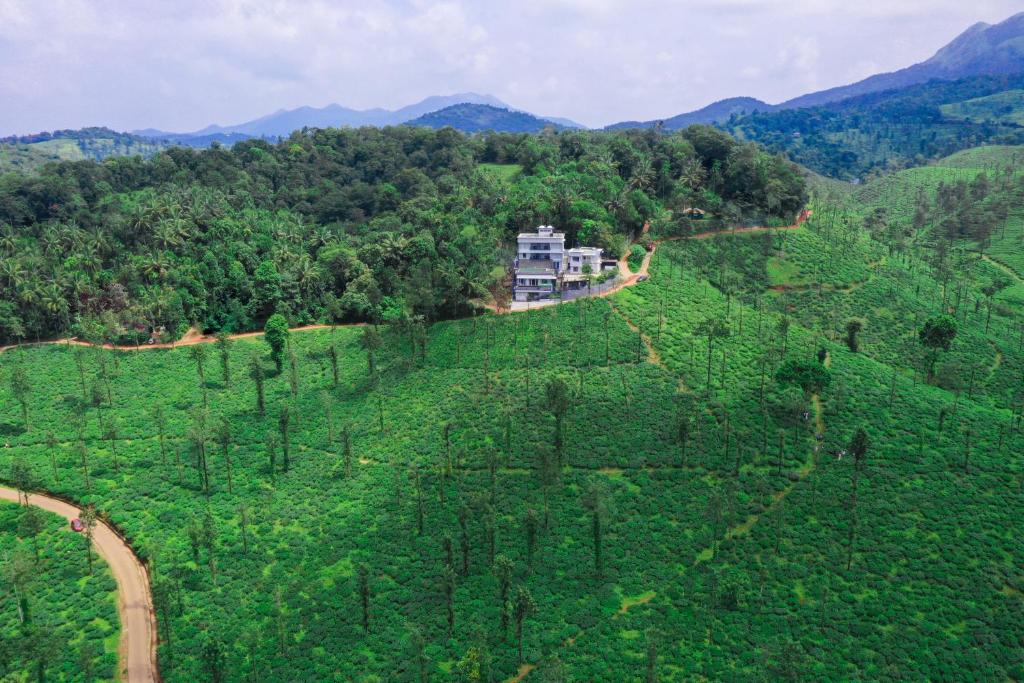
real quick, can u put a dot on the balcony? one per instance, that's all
(535, 289)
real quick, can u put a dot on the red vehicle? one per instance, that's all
(76, 525)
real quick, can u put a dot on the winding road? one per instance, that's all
(137, 651)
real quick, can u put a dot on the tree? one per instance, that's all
(346, 449)
(853, 328)
(531, 522)
(502, 570)
(198, 354)
(21, 388)
(258, 377)
(371, 342)
(21, 477)
(156, 412)
(51, 447)
(223, 436)
(88, 519)
(558, 404)
(83, 455)
(283, 425)
(652, 657)
(595, 501)
(364, 594)
(858, 448)
(198, 434)
(212, 655)
(522, 606)
(270, 447)
(713, 329)
(30, 525)
(332, 353)
(276, 333)
(418, 645)
(110, 433)
(448, 585)
(19, 570)
(293, 371)
(812, 377)
(937, 335)
(224, 347)
(683, 436)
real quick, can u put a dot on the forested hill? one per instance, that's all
(342, 224)
(29, 153)
(475, 118)
(889, 130)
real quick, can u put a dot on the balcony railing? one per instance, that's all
(534, 289)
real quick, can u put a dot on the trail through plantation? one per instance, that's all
(191, 338)
(137, 650)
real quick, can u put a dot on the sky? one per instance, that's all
(180, 65)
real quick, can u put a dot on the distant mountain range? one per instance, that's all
(981, 50)
(713, 113)
(969, 92)
(282, 122)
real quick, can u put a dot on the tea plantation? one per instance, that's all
(53, 609)
(668, 484)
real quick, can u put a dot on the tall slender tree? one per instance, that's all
(223, 435)
(858, 448)
(595, 501)
(223, 344)
(284, 427)
(522, 607)
(259, 376)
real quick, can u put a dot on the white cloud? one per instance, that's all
(181, 64)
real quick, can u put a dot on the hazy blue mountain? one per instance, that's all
(281, 123)
(474, 118)
(981, 50)
(716, 112)
(563, 122)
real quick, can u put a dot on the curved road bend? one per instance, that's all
(137, 651)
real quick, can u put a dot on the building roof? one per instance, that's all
(585, 251)
(533, 235)
(536, 267)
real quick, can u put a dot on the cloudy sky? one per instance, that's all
(179, 65)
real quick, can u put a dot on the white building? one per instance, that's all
(544, 266)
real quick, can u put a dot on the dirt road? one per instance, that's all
(137, 651)
(628, 279)
(191, 338)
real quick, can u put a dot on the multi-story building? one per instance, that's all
(544, 266)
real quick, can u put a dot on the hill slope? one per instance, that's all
(475, 118)
(701, 518)
(283, 122)
(983, 49)
(717, 112)
(28, 153)
(889, 130)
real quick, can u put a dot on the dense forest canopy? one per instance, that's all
(364, 224)
(884, 131)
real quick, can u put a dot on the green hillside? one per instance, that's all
(1004, 107)
(739, 537)
(30, 153)
(476, 118)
